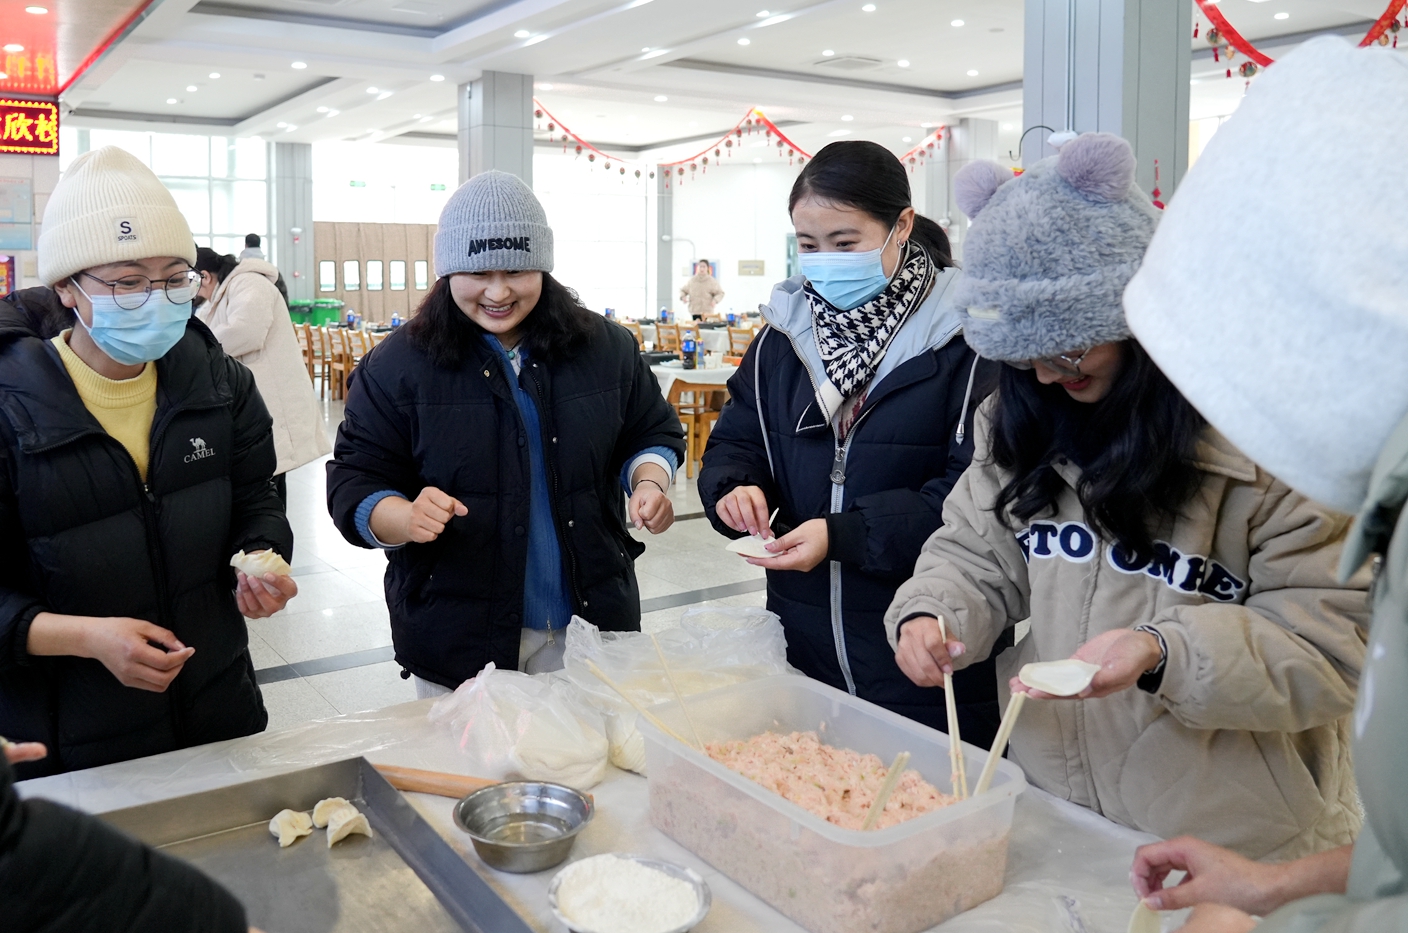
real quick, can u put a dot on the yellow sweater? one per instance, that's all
(124, 407)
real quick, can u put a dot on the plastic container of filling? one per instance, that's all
(901, 879)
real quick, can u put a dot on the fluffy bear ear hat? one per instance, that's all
(1050, 252)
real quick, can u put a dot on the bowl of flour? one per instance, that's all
(614, 893)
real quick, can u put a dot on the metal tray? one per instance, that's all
(406, 877)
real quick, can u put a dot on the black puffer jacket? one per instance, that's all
(62, 871)
(901, 459)
(81, 535)
(456, 602)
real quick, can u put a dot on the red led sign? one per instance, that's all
(29, 126)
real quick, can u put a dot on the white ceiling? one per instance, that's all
(599, 64)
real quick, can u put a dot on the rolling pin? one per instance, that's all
(440, 783)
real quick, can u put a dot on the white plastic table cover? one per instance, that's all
(1057, 849)
(715, 338)
(666, 374)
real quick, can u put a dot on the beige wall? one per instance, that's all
(364, 243)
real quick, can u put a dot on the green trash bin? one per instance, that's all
(326, 311)
(301, 310)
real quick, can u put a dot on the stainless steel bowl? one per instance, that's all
(523, 826)
(701, 890)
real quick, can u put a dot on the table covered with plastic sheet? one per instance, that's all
(1068, 868)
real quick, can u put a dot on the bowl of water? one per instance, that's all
(524, 826)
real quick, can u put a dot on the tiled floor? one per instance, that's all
(340, 608)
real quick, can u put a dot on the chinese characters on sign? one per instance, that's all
(29, 126)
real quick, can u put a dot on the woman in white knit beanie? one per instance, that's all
(135, 460)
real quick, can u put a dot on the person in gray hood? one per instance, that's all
(1289, 331)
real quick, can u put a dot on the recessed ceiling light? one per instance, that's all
(868, 8)
(437, 77)
(545, 87)
(926, 125)
(373, 90)
(1282, 16)
(36, 10)
(214, 75)
(322, 110)
(846, 118)
(838, 133)
(298, 65)
(660, 98)
(13, 47)
(281, 124)
(905, 139)
(171, 100)
(1008, 126)
(972, 72)
(957, 24)
(763, 14)
(827, 52)
(384, 94)
(645, 48)
(191, 87)
(290, 128)
(522, 34)
(903, 63)
(416, 116)
(745, 41)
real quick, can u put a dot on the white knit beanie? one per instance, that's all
(109, 207)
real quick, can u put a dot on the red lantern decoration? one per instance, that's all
(551, 127)
(591, 156)
(579, 150)
(1248, 69)
(538, 114)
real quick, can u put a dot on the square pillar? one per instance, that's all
(664, 251)
(291, 248)
(1111, 66)
(496, 125)
(968, 140)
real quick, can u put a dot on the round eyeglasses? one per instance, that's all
(132, 291)
(1067, 364)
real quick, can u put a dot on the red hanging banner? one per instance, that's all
(30, 127)
(1237, 41)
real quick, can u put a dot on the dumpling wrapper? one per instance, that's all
(260, 563)
(290, 826)
(326, 808)
(1144, 920)
(751, 546)
(344, 821)
(1059, 678)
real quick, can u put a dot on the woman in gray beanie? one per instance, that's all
(1101, 507)
(487, 446)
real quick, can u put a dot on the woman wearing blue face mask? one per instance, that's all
(851, 415)
(135, 460)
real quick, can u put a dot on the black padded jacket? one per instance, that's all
(81, 534)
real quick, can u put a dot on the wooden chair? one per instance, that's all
(341, 364)
(667, 337)
(739, 339)
(305, 346)
(634, 328)
(697, 414)
(326, 358)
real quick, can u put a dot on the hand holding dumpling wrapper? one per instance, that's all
(1065, 678)
(258, 563)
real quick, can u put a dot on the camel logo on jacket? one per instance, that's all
(1187, 573)
(202, 450)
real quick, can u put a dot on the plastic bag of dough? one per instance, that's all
(290, 826)
(713, 647)
(537, 727)
(260, 563)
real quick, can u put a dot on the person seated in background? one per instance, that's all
(135, 460)
(486, 445)
(861, 360)
(1103, 508)
(240, 305)
(1304, 366)
(701, 292)
(63, 871)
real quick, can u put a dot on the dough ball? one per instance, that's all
(344, 821)
(290, 826)
(325, 808)
(260, 563)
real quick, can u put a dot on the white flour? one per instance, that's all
(610, 894)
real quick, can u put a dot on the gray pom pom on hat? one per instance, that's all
(1049, 252)
(493, 221)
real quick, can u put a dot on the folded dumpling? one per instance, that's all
(325, 809)
(344, 821)
(290, 826)
(261, 562)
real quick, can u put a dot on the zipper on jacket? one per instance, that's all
(838, 499)
(551, 464)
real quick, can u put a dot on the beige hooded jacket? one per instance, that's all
(701, 293)
(1246, 743)
(249, 318)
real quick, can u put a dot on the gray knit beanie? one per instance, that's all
(1050, 252)
(493, 221)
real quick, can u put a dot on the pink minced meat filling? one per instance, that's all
(836, 784)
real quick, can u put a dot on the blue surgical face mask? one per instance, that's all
(138, 336)
(846, 280)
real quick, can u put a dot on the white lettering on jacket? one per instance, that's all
(1187, 573)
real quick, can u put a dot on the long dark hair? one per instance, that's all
(1135, 448)
(867, 176)
(557, 328)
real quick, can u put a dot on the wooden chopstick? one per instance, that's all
(958, 776)
(649, 716)
(999, 744)
(669, 675)
(892, 780)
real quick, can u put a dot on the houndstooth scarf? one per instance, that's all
(852, 343)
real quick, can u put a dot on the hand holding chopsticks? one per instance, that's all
(958, 777)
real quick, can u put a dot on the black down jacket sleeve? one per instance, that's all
(62, 871)
(737, 453)
(882, 533)
(650, 420)
(258, 520)
(18, 604)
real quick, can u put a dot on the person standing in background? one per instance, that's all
(252, 249)
(252, 323)
(701, 292)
